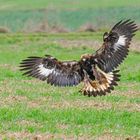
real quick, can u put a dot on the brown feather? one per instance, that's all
(115, 47)
(67, 73)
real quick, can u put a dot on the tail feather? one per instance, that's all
(102, 85)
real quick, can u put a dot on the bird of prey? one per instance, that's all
(97, 71)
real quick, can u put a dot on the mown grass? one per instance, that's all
(74, 119)
(30, 105)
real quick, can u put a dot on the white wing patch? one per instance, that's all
(121, 42)
(44, 71)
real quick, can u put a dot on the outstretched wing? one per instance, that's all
(56, 73)
(115, 46)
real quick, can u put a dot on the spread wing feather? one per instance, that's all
(56, 73)
(115, 46)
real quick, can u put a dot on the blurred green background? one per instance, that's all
(26, 15)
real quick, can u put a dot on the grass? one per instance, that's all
(18, 21)
(18, 5)
(30, 107)
(17, 16)
(42, 121)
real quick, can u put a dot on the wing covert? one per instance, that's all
(67, 73)
(115, 46)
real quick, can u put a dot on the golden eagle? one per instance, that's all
(97, 71)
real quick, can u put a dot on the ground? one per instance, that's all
(32, 109)
(27, 16)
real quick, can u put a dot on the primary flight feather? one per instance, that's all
(97, 71)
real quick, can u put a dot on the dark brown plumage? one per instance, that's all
(96, 71)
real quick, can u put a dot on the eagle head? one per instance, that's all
(86, 61)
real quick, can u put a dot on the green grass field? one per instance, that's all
(30, 108)
(23, 5)
(20, 15)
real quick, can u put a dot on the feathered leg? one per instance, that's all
(103, 83)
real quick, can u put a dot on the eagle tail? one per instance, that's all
(103, 83)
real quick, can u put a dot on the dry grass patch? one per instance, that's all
(130, 93)
(58, 29)
(31, 27)
(88, 27)
(49, 102)
(9, 67)
(16, 135)
(34, 104)
(11, 100)
(109, 136)
(4, 30)
(127, 106)
(43, 27)
(47, 136)
(81, 104)
(10, 87)
(42, 136)
(77, 43)
(135, 46)
(26, 123)
(95, 44)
